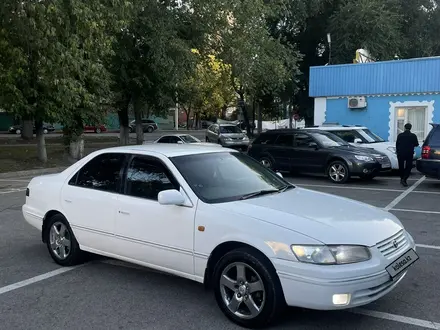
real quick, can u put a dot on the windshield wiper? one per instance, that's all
(259, 193)
(286, 187)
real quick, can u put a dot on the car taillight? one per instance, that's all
(425, 152)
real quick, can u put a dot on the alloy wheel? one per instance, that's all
(242, 290)
(266, 163)
(337, 172)
(60, 240)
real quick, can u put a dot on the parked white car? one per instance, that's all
(361, 136)
(183, 139)
(218, 217)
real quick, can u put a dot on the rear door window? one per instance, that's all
(285, 140)
(266, 139)
(434, 137)
(348, 136)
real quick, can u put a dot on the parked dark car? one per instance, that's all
(429, 163)
(148, 125)
(316, 152)
(17, 129)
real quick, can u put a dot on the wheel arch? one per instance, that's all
(221, 250)
(46, 219)
(332, 159)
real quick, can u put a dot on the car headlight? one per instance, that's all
(364, 158)
(392, 149)
(331, 254)
(245, 138)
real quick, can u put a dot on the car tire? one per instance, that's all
(266, 162)
(98, 131)
(220, 142)
(61, 242)
(18, 132)
(150, 129)
(45, 131)
(130, 129)
(206, 139)
(338, 172)
(267, 299)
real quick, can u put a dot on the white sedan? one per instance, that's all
(183, 139)
(218, 217)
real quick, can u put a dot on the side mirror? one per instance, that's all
(280, 175)
(357, 140)
(170, 197)
(313, 145)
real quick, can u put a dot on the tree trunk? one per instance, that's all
(223, 114)
(245, 114)
(188, 113)
(41, 144)
(124, 130)
(253, 117)
(138, 120)
(76, 148)
(27, 132)
(290, 115)
(260, 118)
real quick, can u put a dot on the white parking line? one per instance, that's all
(13, 180)
(12, 191)
(397, 318)
(424, 246)
(399, 198)
(36, 279)
(415, 211)
(365, 188)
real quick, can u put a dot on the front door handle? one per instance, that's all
(124, 213)
(68, 201)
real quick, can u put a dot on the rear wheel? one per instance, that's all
(18, 132)
(150, 129)
(338, 172)
(61, 242)
(206, 139)
(247, 289)
(98, 130)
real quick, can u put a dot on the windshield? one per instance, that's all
(329, 140)
(226, 176)
(370, 136)
(189, 139)
(230, 129)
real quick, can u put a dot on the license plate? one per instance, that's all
(386, 165)
(402, 263)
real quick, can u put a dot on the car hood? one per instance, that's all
(205, 144)
(327, 218)
(233, 135)
(358, 150)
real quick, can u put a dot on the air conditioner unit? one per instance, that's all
(357, 102)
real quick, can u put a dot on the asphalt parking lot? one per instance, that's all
(35, 293)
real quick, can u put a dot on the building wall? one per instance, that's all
(377, 114)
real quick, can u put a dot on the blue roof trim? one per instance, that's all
(421, 75)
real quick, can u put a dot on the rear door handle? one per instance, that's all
(124, 213)
(68, 201)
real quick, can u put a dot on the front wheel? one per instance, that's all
(98, 131)
(206, 139)
(247, 289)
(338, 172)
(266, 162)
(61, 242)
(150, 129)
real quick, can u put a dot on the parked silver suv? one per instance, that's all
(228, 135)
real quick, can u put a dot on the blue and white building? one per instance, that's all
(380, 95)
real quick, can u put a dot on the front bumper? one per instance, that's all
(236, 144)
(366, 168)
(313, 286)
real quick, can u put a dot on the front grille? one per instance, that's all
(394, 244)
(383, 160)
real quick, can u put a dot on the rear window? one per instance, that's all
(266, 139)
(434, 136)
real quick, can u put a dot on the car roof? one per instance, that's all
(169, 150)
(294, 130)
(175, 134)
(336, 128)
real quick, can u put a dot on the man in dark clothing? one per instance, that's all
(405, 144)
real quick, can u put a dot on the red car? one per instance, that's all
(95, 128)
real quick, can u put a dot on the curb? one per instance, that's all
(35, 172)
